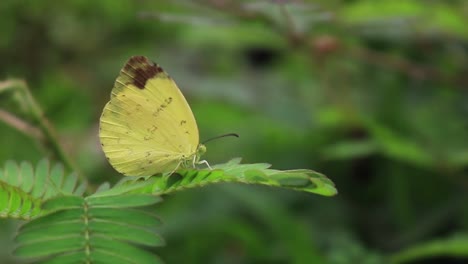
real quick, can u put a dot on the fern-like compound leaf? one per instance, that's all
(232, 171)
(94, 229)
(24, 188)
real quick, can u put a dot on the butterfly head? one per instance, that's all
(201, 150)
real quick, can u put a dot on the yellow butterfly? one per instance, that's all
(147, 127)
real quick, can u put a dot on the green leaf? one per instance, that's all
(349, 149)
(122, 250)
(396, 146)
(70, 183)
(123, 200)
(125, 232)
(24, 189)
(455, 247)
(46, 247)
(55, 231)
(27, 176)
(232, 171)
(107, 229)
(63, 202)
(425, 18)
(129, 216)
(56, 217)
(74, 257)
(364, 11)
(15, 203)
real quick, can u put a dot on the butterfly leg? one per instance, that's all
(196, 161)
(206, 163)
(175, 169)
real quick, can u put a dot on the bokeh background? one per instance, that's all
(371, 93)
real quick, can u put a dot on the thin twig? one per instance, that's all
(8, 84)
(397, 63)
(20, 125)
(293, 34)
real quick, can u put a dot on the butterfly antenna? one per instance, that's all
(221, 136)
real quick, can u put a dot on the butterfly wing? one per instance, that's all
(147, 127)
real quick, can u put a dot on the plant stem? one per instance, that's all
(294, 37)
(20, 125)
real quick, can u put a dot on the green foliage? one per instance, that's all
(25, 188)
(110, 225)
(443, 17)
(456, 246)
(372, 93)
(92, 230)
(232, 171)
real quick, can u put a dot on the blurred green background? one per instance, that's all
(371, 93)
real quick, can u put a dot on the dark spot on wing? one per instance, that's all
(166, 103)
(152, 129)
(183, 122)
(141, 69)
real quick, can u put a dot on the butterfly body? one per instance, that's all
(148, 127)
